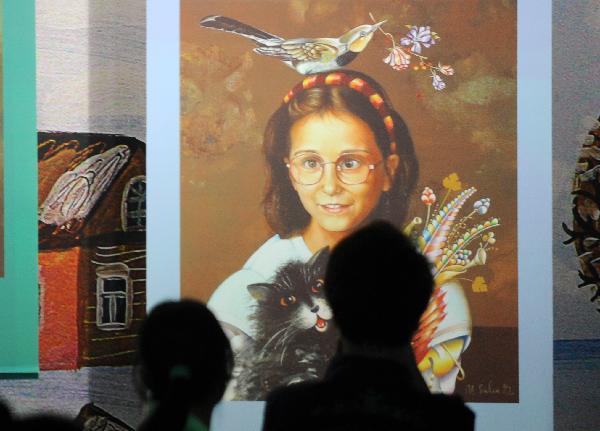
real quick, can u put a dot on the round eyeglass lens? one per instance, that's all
(307, 169)
(353, 168)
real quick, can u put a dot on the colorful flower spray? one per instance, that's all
(445, 242)
(411, 45)
(453, 247)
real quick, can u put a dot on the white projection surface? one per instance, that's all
(534, 410)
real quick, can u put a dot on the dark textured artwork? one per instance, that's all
(585, 232)
(93, 418)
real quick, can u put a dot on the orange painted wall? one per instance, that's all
(59, 320)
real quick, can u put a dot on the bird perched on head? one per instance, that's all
(305, 55)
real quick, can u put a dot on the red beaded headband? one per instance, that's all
(356, 84)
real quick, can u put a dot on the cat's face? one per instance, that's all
(295, 298)
(305, 306)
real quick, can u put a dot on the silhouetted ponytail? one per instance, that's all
(186, 362)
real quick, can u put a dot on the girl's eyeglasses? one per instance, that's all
(307, 169)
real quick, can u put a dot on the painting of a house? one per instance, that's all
(92, 248)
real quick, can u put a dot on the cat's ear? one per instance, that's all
(260, 291)
(319, 259)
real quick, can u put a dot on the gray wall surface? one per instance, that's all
(91, 66)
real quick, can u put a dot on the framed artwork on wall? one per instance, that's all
(18, 280)
(223, 76)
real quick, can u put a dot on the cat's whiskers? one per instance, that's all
(285, 326)
(293, 331)
(283, 339)
(264, 347)
(286, 336)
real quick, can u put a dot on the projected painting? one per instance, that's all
(414, 105)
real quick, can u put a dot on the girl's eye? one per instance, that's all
(316, 288)
(287, 300)
(310, 164)
(348, 164)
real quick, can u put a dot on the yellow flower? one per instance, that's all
(452, 182)
(479, 285)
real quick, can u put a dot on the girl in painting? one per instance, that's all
(338, 156)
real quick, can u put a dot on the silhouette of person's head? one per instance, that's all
(185, 360)
(378, 285)
(5, 416)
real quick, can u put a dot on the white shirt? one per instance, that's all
(231, 303)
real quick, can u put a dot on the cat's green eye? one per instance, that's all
(287, 300)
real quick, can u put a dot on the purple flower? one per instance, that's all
(438, 83)
(417, 36)
(398, 59)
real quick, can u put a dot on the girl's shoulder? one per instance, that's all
(231, 302)
(276, 251)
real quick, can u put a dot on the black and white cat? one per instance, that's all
(295, 337)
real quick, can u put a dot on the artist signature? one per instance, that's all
(489, 388)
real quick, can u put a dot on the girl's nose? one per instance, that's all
(330, 182)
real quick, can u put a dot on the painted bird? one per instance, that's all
(305, 55)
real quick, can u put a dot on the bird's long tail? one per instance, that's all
(231, 25)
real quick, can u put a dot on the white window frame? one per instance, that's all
(113, 271)
(124, 206)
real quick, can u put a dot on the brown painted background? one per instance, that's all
(228, 93)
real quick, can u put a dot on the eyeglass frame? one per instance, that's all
(371, 167)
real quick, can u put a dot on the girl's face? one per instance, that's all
(333, 205)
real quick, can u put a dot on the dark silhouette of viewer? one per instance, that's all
(5, 416)
(378, 286)
(184, 367)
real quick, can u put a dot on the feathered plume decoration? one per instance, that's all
(435, 235)
(428, 324)
(445, 241)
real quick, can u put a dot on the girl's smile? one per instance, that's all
(334, 208)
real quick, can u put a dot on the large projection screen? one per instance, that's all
(533, 410)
